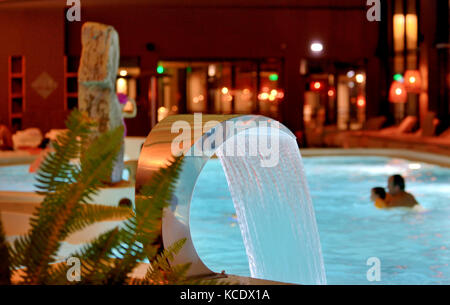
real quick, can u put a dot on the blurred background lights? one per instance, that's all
(317, 47)
(350, 74)
(273, 77)
(160, 69)
(359, 78)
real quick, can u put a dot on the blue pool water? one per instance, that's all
(413, 247)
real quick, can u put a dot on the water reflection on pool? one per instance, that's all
(414, 248)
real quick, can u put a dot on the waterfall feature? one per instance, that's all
(267, 184)
(275, 213)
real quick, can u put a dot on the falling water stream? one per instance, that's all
(275, 214)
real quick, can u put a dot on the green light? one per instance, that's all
(273, 77)
(188, 69)
(398, 77)
(160, 69)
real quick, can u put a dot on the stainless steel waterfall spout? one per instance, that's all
(156, 152)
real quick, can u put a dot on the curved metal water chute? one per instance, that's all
(157, 151)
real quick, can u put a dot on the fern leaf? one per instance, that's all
(60, 206)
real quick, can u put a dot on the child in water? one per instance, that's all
(378, 196)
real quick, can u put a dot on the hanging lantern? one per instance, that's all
(397, 93)
(361, 101)
(413, 81)
(316, 86)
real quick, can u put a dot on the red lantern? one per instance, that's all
(397, 93)
(361, 101)
(413, 81)
(317, 86)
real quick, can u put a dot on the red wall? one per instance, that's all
(195, 32)
(38, 34)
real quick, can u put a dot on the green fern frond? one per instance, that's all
(57, 215)
(144, 229)
(88, 214)
(56, 167)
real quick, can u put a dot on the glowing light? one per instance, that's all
(413, 81)
(160, 69)
(121, 85)
(317, 85)
(280, 95)
(350, 74)
(123, 73)
(272, 98)
(211, 70)
(331, 93)
(162, 113)
(360, 78)
(317, 47)
(361, 102)
(263, 96)
(225, 90)
(398, 77)
(351, 84)
(195, 100)
(397, 93)
(273, 92)
(415, 166)
(273, 77)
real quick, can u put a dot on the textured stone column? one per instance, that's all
(97, 82)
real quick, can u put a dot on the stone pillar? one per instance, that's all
(97, 82)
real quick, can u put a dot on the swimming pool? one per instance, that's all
(413, 247)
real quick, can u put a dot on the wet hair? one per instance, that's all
(380, 192)
(125, 202)
(399, 181)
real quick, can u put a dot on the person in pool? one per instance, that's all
(378, 197)
(398, 197)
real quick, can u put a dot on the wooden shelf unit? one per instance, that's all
(16, 91)
(70, 82)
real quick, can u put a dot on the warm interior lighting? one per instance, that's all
(121, 85)
(317, 85)
(317, 47)
(123, 73)
(331, 93)
(359, 78)
(411, 31)
(350, 74)
(225, 90)
(212, 70)
(361, 102)
(413, 81)
(399, 32)
(397, 93)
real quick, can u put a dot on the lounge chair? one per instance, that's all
(342, 138)
(406, 126)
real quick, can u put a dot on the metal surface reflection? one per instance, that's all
(156, 152)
